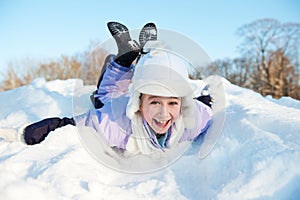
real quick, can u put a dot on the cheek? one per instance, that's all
(176, 113)
(146, 112)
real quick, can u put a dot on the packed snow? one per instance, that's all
(257, 155)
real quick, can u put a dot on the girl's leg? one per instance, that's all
(128, 50)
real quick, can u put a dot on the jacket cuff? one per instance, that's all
(112, 64)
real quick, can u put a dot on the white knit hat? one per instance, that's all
(163, 73)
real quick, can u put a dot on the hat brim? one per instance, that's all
(167, 89)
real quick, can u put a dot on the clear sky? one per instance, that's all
(36, 29)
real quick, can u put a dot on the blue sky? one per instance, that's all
(46, 29)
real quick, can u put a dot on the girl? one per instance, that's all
(143, 109)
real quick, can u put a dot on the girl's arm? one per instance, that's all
(38, 131)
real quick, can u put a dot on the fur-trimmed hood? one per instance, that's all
(163, 73)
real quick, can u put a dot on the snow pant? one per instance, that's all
(96, 101)
(124, 60)
(37, 132)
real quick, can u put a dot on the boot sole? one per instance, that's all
(116, 28)
(148, 32)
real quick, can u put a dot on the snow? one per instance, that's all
(256, 157)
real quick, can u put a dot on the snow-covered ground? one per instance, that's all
(256, 157)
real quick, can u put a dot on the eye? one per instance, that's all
(173, 103)
(154, 102)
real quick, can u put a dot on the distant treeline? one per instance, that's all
(268, 62)
(86, 66)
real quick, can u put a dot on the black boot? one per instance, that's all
(128, 49)
(147, 33)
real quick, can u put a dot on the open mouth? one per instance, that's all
(162, 123)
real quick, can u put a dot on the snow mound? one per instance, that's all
(256, 157)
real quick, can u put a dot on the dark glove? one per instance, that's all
(205, 97)
(37, 132)
(207, 100)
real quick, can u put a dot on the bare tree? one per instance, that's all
(86, 65)
(271, 47)
(93, 60)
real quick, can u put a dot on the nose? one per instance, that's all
(163, 111)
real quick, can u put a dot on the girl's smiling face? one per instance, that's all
(160, 112)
